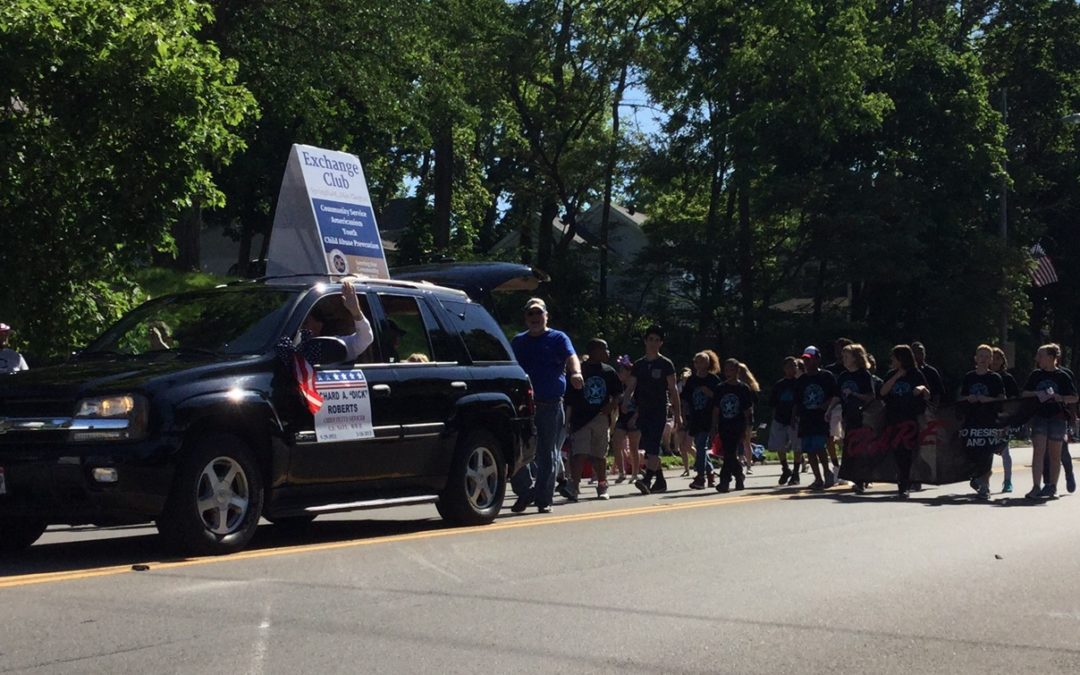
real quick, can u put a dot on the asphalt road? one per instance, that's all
(767, 580)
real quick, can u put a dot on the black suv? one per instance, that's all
(189, 412)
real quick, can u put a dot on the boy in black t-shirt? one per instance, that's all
(782, 432)
(815, 392)
(588, 416)
(652, 385)
(980, 395)
(731, 416)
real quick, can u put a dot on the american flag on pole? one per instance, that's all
(1043, 274)
(297, 361)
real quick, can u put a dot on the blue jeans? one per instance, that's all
(701, 447)
(537, 480)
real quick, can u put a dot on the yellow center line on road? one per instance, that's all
(73, 575)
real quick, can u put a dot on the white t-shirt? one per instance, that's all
(12, 361)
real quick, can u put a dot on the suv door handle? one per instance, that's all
(459, 385)
(380, 390)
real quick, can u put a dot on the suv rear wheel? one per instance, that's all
(216, 499)
(477, 482)
(17, 534)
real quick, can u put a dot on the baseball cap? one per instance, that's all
(4, 328)
(535, 302)
(811, 352)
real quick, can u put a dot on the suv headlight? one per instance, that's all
(110, 418)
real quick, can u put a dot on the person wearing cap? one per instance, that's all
(815, 392)
(588, 418)
(547, 356)
(11, 361)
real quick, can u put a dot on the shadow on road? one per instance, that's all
(85, 554)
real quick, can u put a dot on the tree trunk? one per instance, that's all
(746, 255)
(609, 180)
(243, 257)
(444, 183)
(186, 232)
(819, 292)
(548, 213)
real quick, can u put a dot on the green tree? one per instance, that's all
(112, 117)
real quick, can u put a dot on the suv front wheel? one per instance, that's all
(216, 499)
(477, 482)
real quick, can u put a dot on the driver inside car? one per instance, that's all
(322, 322)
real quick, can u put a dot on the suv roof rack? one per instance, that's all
(400, 283)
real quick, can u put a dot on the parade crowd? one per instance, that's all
(635, 409)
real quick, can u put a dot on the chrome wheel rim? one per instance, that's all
(222, 496)
(481, 478)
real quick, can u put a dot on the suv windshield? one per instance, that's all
(232, 321)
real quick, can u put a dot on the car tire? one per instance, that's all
(18, 534)
(216, 498)
(476, 484)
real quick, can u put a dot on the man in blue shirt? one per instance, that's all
(546, 355)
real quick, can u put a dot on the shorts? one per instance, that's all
(836, 422)
(623, 423)
(652, 432)
(1051, 427)
(813, 444)
(592, 439)
(782, 437)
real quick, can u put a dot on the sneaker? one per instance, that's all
(835, 474)
(698, 483)
(711, 479)
(983, 493)
(723, 488)
(740, 483)
(521, 504)
(817, 485)
(785, 475)
(1007, 487)
(621, 478)
(795, 480)
(1033, 495)
(641, 485)
(859, 488)
(748, 470)
(659, 485)
(903, 494)
(974, 483)
(830, 480)
(601, 491)
(543, 509)
(1048, 492)
(1070, 482)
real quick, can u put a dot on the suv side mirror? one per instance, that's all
(331, 350)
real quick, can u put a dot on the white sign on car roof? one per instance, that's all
(324, 222)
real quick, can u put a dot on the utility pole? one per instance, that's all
(1003, 216)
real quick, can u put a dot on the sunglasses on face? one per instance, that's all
(535, 312)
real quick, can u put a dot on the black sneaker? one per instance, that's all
(785, 476)
(795, 480)
(543, 509)
(698, 483)
(521, 504)
(566, 492)
(723, 488)
(859, 487)
(1048, 492)
(1070, 482)
(659, 485)
(740, 483)
(817, 485)
(641, 485)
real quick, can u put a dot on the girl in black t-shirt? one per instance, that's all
(1054, 390)
(698, 396)
(999, 363)
(856, 386)
(905, 394)
(731, 415)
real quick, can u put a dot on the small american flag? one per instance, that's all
(1044, 273)
(298, 360)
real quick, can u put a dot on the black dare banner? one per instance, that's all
(945, 443)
